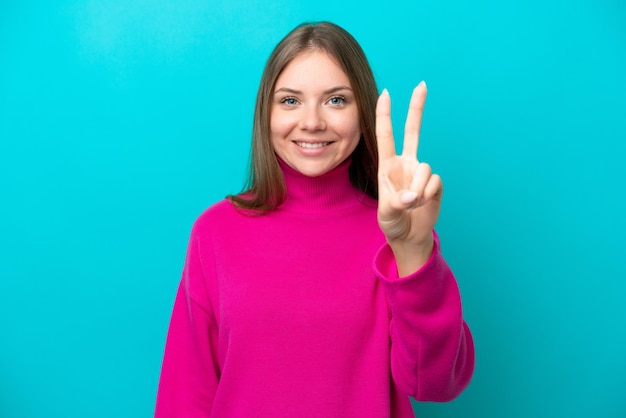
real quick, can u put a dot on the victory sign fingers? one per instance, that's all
(409, 193)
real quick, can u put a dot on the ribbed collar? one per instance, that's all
(331, 191)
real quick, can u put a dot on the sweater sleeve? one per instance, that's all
(190, 372)
(432, 351)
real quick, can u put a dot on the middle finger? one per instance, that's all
(414, 121)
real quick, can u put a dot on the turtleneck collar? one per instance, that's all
(331, 191)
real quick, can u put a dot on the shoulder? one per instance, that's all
(218, 210)
(369, 202)
(220, 213)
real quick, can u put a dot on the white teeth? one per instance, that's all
(312, 145)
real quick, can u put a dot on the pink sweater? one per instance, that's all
(301, 313)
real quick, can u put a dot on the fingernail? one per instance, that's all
(407, 197)
(422, 83)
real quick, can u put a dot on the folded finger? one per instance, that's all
(433, 188)
(420, 179)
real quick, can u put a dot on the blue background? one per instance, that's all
(120, 121)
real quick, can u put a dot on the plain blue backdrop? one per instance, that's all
(120, 121)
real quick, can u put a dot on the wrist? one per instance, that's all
(410, 255)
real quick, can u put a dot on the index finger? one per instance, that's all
(384, 130)
(414, 121)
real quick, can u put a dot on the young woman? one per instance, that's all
(319, 291)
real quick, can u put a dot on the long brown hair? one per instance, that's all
(265, 189)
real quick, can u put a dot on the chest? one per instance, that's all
(312, 279)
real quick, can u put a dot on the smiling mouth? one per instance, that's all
(312, 145)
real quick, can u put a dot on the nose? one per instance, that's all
(312, 119)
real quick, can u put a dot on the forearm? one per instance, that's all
(432, 352)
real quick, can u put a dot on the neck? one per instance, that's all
(331, 191)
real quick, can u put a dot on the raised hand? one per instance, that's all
(409, 195)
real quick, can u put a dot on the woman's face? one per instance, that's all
(314, 118)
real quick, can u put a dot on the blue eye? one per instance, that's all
(289, 101)
(337, 100)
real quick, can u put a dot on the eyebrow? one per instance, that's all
(329, 91)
